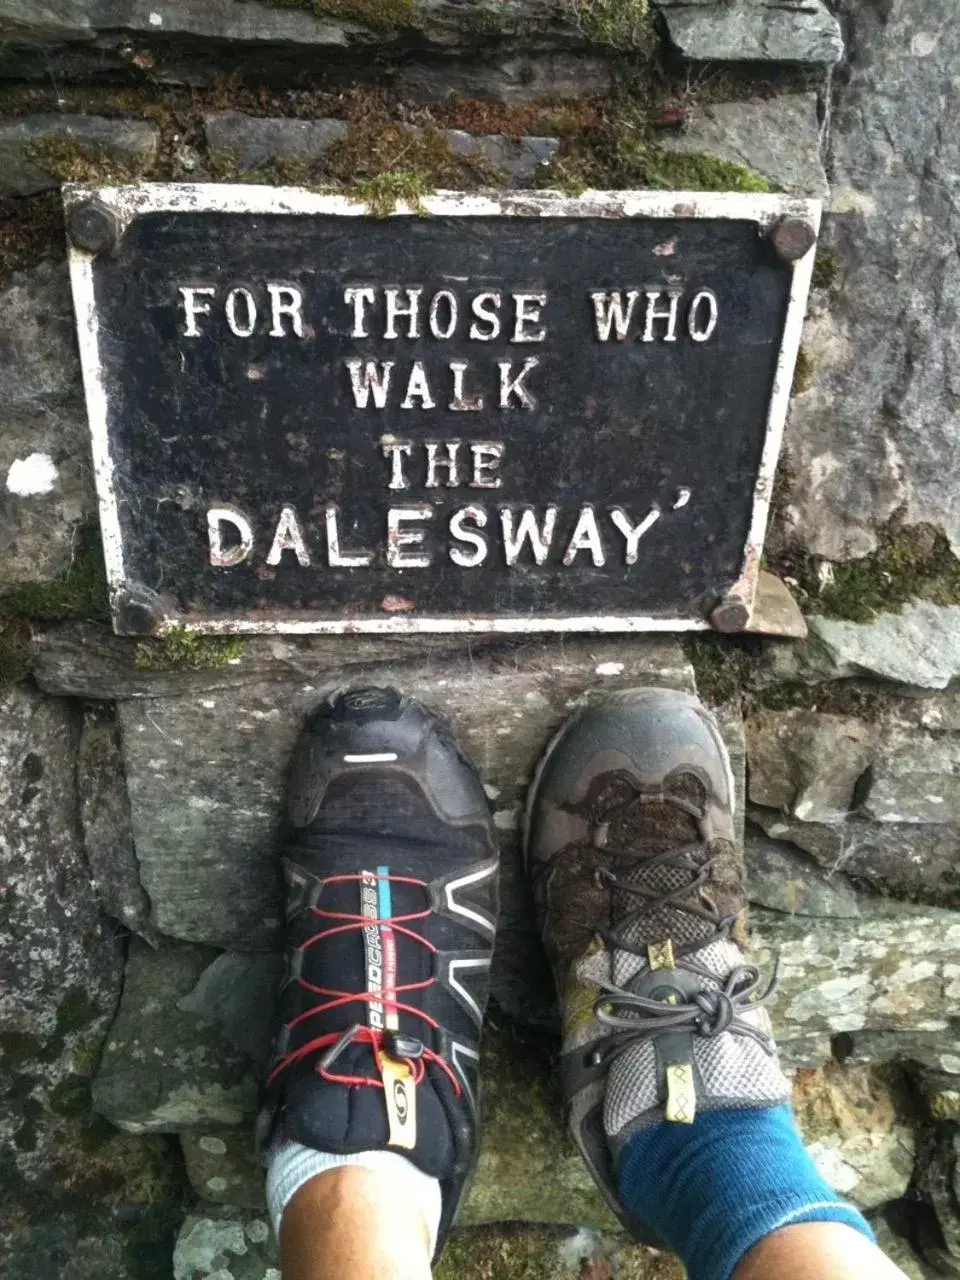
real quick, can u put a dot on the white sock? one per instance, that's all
(290, 1165)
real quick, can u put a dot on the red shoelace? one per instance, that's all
(387, 997)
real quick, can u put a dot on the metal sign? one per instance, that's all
(492, 413)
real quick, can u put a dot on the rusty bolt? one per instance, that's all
(729, 615)
(138, 611)
(793, 238)
(93, 227)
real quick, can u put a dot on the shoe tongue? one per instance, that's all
(636, 832)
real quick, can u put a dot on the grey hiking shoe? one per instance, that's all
(638, 884)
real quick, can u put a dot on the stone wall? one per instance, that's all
(141, 781)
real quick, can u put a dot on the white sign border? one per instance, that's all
(130, 202)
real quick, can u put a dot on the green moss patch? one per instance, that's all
(803, 373)
(378, 14)
(78, 595)
(30, 230)
(519, 1251)
(621, 24)
(70, 161)
(911, 563)
(383, 164)
(625, 154)
(825, 268)
(182, 650)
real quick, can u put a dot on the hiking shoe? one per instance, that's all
(391, 864)
(640, 897)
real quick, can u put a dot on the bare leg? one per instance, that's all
(355, 1222)
(816, 1251)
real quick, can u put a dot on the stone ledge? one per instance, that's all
(130, 143)
(779, 138)
(253, 142)
(792, 31)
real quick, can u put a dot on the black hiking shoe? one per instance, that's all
(639, 890)
(391, 864)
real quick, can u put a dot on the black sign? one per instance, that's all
(535, 413)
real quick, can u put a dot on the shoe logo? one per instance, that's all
(400, 1100)
(366, 699)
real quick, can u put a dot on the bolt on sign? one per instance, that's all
(493, 413)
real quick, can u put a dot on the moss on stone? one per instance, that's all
(625, 154)
(378, 14)
(911, 563)
(70, 161)
(30, 229)
(621, 24)
(71, 1097)
(721, 665)
(80, 594)
(182, 650)
(520, 1251)
(382, 164)
(383, 193)
(803, 372)
(825, 268)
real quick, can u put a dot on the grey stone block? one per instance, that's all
(908, 860)
(805, 763)
(780, 878)
(22, 173)
(60, 962)
(803, 31)
(105, 816)
(915, 778)
(919, 646)
(514, 81)
(226, 1244)
(46, 481)
(877, 430)
(891, 971)
(778, 138)
(164, 1069)
(253, 141)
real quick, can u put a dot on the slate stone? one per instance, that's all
(86, 660)
(901, 860)
(518, 159)
(919, 646)
(801, 31)
(60, 963)
(806, 763)
(109, 1210)
(252, 142)
(164, 1070)
(898, 1249)
(105, 816)
(915, 777)
(514, 80)
(46, 482)
(892, 969)
(207, 772)
(223, 1168)
(784, 880)
(227, 992)
(853, 1130)
(226, 1245)
(775, 612)
(779, 138)
(23, 173)
(877, 430)
(442, 24)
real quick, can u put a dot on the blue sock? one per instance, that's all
(713, 1189)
